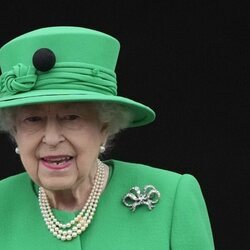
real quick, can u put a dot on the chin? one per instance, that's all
(57, 184)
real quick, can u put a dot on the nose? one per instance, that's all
(53, 133)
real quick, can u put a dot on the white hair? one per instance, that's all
(115, 115)
(7, 120)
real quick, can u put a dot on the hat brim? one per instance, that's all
(142, 114)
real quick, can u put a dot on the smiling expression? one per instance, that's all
(59, 143)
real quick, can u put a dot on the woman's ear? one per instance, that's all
(13, 133)
(104, 129)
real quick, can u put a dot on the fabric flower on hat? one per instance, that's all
(20, 79)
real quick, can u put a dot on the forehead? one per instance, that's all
(57, 107)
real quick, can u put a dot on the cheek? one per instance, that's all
(28, 157)
(27, 142)
(26, 145)
(90, 138)
(30, 164)
(87, 146)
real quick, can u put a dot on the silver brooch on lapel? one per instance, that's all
(135, 197)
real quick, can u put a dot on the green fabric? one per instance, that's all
(69, 44)
(68, 75)
(84, 70)
(178, 222)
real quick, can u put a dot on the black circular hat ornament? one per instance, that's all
(44, 59)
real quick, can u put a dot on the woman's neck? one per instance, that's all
(74, 199)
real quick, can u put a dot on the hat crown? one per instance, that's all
(68, 43)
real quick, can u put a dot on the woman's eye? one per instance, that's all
(70, 117)
(33, 119)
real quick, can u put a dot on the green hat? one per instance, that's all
(64, 64)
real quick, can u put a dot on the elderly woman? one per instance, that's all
(59, 103)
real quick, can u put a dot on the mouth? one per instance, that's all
(56, 162)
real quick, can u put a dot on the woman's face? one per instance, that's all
(59, 143)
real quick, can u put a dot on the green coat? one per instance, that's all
(179, 220)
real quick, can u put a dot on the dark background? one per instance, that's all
(190, 62)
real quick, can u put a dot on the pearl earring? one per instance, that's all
(102, 149)
(17, 150)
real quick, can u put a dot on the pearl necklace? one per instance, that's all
(79, 224)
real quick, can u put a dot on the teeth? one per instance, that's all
(57, 160)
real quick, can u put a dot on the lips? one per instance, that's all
(57, 162)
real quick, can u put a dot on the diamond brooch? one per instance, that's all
(135, 197)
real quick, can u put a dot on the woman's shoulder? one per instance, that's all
(142, 168)
(142, 173)
(14, 181)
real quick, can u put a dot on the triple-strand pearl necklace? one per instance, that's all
(79, 224)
